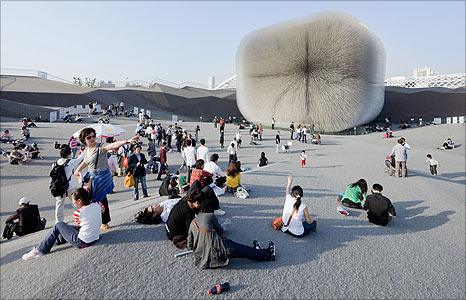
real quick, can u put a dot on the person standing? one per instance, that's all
(291, 130)
(189, 156)
(433, 164)
(232, 152)
(136, 163)
(69, 164)
(73, 143)
(222, 136)
(303, 134)
(277, 141)
(261, 131)
(202, 151)
(152, 151)
(197, 133)
(400, 153)
(215, 121)
(303, 159)
(169, 133)
(95, 159)
(273, 123)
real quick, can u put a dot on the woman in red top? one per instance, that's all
(199, 174)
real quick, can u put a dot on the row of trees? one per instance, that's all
(89, 82)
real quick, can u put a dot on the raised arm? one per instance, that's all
(288, 186)
(118, 144)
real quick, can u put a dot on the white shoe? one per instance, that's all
(219, 212)
(34, 253)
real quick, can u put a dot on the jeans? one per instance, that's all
(308, 228)
(348, 203)
(141, 180)
(236, 250)
(232, 158)
(74, 151)
(62, 233)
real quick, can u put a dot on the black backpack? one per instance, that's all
(60, 183)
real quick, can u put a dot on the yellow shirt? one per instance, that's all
(234, 182)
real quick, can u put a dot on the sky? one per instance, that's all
(191, 41)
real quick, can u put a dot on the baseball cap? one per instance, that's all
(23, 200)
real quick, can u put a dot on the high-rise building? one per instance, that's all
(422, 72)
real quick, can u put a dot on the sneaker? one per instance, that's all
(272, 251)
(104, 227)
(146, 196)
(256, 245)
(342, 210)
(219, 212)
(135, 199)
(34, 253)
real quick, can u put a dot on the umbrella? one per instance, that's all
(103, 130)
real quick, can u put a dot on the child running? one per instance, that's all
(303, 159)
(433, 164)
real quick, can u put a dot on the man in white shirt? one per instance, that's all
(203, 151)
(232, 152)
(70, 165)
(217, 174)
(189, 156)
(401, 154)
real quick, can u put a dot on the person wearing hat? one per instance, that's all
(28, 217)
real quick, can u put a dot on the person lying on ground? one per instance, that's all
(379, 208)
(233, 178)
(180, 218)
(157, 213)
(263, 161)
(448, 144)
(297, 221)
(212, 249)
(28, 217)
(87, 231)
(355, 194)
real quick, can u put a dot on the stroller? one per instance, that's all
(390, 165)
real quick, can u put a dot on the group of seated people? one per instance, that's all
(16, 157)
(379, 208)
(447, 145)
(68, 118)
(316, 139)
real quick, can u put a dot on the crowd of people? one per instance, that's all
(85, 171)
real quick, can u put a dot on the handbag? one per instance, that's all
(241, 193)
(129, 180)
(277, 223)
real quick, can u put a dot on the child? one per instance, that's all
(433, 164)
(88, 218)
(263, 161)
(303, 158)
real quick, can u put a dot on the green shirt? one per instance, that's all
(354, 194)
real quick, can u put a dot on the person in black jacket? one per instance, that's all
(29, 220)
(136, 164)
(169, 187)
(379, 208)
(181, 216)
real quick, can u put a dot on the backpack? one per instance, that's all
(60, 183)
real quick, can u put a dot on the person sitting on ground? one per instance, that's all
(87, 231)
(354, 194)
(32, 151)
(211, 248)
(28, 217)
(379, 208)
(448, 144)
(297, 220)
(210, 200)
(198, 173)
(316, 139)
(25, 134)
(67, 117)
(169, 187)
(16, 157)
(6, 137)
(217, 174)
(263, 161)
(388, 134)
(78, 118)
(180, 218)
(233, 178)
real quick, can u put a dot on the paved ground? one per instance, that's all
(420, 255)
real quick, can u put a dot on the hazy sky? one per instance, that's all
(190, 41)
